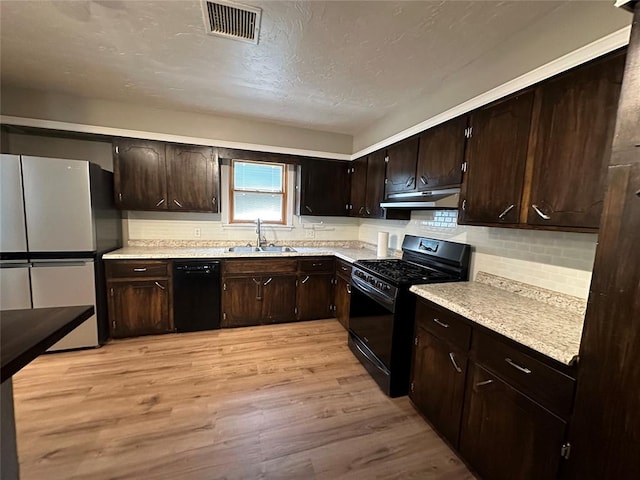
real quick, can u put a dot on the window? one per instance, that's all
(257, 190)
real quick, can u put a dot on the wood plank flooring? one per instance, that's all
(282, 401)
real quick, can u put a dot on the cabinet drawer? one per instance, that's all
(343, 269)
(544, 384)
(319, 264)
(444, 325)
(130, 269)
(261, 267)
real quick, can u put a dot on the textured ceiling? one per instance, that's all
(333, 66)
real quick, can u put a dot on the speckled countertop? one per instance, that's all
(546, 321)
(350, 252)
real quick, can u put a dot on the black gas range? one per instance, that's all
(381, 316)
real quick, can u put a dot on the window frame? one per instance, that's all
(284, 193)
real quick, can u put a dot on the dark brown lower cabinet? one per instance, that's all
(139, 307)
(279, 298)
(315, 296)
(437, 383)
(258, 300)
(342, 301)
(505, 435)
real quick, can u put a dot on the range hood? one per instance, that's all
(446, 198)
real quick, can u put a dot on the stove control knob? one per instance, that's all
(386, 288)
(379, 284)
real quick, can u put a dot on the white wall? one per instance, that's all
(169, 124)
(559, 261)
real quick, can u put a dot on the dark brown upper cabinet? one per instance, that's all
(496, 155)
(401, 166)
(324, 188)
(571, 141)
(158, 176)
(441, 155)
(358, 170)
(140, 175)
(367, 188)
(192, 174)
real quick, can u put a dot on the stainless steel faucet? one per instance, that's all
(259, 232)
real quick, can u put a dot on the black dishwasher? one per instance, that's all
(196, 295)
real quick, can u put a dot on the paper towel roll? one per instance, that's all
(383, 243)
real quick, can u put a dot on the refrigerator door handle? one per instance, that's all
(63, 263)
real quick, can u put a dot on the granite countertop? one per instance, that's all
(349, 253)
(546, 321)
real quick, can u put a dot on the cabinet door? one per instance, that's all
(573, 142)
(279, 298)
(138, 308)
(441, 155)
(315, 296)
(376, 171)
(242, 300)
(324, 188)
(192, 178)
(401, 168)
(438, 379)
(495, 156)
(139, 175)
(505, 435)
(343, 301)
(358, 187)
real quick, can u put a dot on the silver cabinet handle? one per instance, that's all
(343, 268)
(516, 366)
(308, 208)
(268, 281)
(540, 212)
(177, 203)
(410, 181)
(482, 384)
(442, 324)
(506, 210)
(349, 289)
(213, 200)
(366, 209)
(464, 204)
(159, 286)
(303, 281)
(423, 179)
(139, 269)
(160, 203)
(360, 211)
(120, 196)
(453, 361)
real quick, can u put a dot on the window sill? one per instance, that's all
(252, 226)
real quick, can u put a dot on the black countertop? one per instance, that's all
(25, 334)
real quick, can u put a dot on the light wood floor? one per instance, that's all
(282, 401)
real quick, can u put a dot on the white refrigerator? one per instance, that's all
(57, 219)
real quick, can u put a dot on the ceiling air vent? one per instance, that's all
(232, 20)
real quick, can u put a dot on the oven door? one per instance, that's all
(371, 321)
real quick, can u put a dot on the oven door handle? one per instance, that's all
(370, 292)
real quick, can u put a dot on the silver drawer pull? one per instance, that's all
(541, 213)
(268, 281)
(344, 269)
(177, 203)
(442, 324)
(159, 286)
(139, 269)
(305, 280)
(482, 384)
(160, 203)
(516, 366)
(453, 361)
(423, 179)
(506, 210)
(349, 289)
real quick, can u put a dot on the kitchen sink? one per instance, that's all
(271, 249)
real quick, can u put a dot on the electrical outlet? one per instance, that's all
(197, 232)
(310, 233)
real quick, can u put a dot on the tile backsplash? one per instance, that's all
(559, 261)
